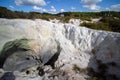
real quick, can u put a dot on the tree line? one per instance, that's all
(110, 20)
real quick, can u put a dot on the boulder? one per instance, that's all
(19, 54)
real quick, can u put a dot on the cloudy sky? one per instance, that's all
(55, 6)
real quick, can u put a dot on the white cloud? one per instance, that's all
(39, 9)
(30, 2)
(92, 7)
(11, 7)
(115, 7)
(91, 4)
(73, 8)
(62, 10)
(107, 8)
(44, 10)
(53, 9)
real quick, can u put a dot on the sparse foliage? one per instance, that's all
(110, 20)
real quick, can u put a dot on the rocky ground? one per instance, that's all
(43, 50)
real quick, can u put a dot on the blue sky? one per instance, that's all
(55, 6)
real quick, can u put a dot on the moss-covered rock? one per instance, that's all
(17, 50)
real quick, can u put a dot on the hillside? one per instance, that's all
(43, 50)
(109, 20)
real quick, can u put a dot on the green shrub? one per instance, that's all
(85, 18)
(105, 19)
(45, 18)
(65, 19)
(97, 26)
(89, 25)
(113, 23)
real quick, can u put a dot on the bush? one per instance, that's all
(113, 23)
(65, 19)
(105, 19)
(97, 26)
(89, 25)
(45, 18)
(85, 18)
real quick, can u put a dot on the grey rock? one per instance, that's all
(8, 76)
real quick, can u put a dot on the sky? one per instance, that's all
(56, 6)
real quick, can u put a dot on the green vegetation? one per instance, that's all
(110, 20)
(5, 13)
(12, 46)
(22, 44)
(106, 23)
(114, 23)
(97, 26)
